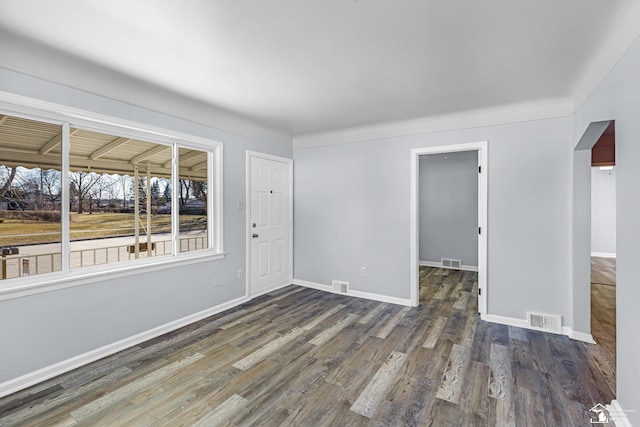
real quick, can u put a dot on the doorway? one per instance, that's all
(603, 251)
(584, 238)
(269, 222)
(481, 148)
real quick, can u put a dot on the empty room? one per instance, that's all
(366, 212)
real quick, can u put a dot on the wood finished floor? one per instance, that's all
(603, 311)
(603, 271)
(302, 357)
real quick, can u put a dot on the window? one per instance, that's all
(30, 197)
(118, 190)
(115, 194)
(193, 199)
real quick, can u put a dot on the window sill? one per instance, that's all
(25, 286)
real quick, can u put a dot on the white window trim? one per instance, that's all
(68, 117)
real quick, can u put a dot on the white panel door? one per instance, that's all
(270, 224)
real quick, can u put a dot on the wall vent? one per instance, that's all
(451, 263)
(340, 286)
(545, 322)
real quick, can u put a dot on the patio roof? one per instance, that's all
(33, 144)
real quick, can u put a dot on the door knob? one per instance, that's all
(254, 235)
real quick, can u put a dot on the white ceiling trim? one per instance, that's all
(552, 108)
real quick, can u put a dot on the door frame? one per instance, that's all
(248, 156)
(482, 148)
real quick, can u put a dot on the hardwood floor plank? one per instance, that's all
(516, 333)
(391, 323)
(434, 332)
(475, 399)
(462, 301)
(603, 270)
(453, 378)
(221, 414)
(443, 291)
(260, 354)
(333, 330)
(500, 384)
(319, 319)
(373, 394)
(66, 421)
(245, 317)
(372, 313)
(500, 364)
(162, 410)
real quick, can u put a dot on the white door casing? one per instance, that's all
(482, 148)
(269, 222)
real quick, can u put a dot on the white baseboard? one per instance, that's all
(522, 323)
(439, 265)
(603, 254)
(617, 414)
(353, 293)
(35, 377)
(580, 336)
(314, 285)
(381, 298)
(503, 320)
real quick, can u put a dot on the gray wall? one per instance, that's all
(581, 241)
(352, 209)
(618, 97)
(448, 204)
(603, 211)
(43, 329)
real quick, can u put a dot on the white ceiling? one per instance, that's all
(304, 67)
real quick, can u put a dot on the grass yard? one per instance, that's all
(16, 231)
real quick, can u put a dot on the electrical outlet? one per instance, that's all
(239, 274)
(363, 271)
(216, 282)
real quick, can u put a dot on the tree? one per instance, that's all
(7, 175)
(41, 188)
(113, 191)
(50, 185)
(14, 187)
(125, 185)
(185, 191)
(155, 192)
(142, 191)
(167, 192)
(101, 188)
(81, 186)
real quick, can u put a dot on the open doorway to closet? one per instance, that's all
(448, 223)
(449, 220)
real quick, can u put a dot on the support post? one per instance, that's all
(136, 209)
(149, 248)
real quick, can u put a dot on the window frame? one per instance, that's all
(67, 118)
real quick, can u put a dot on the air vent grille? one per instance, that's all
(451, 263)
(340, 286)
(545, 322)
